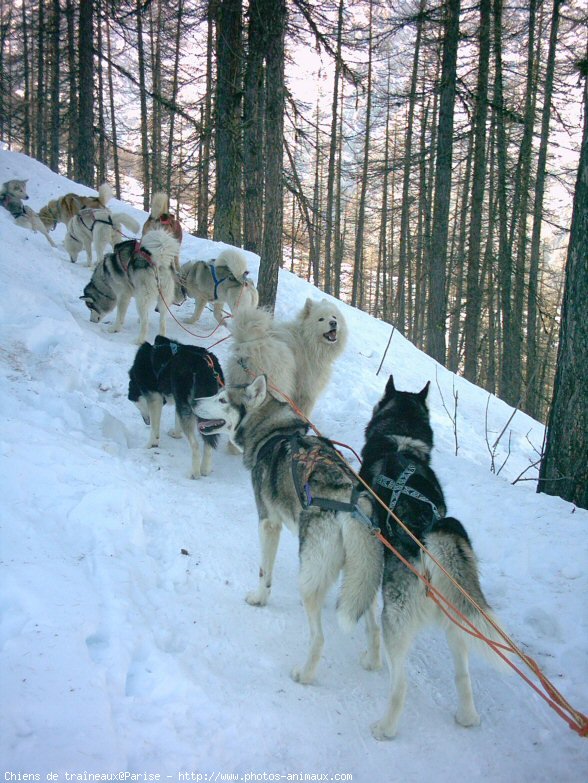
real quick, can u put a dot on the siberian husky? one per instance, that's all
(95, 228)
(12, 194)
(171, 371)
(223, 281)
(141, 269)
(396, 464)
(301, 481)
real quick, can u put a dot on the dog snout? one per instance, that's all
(333, 323)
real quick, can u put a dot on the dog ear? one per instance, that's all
(424, 391)
(306, 310)
(390, 388)
(255, 393)
(85, 298)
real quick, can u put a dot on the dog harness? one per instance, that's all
(217, 282)
(85, 212)
(303, 462)
(399, 487)
(13, 205)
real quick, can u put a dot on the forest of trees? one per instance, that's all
(416, 158)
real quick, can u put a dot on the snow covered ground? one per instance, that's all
(126, 645)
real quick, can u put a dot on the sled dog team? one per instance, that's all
(274, 373)
(146, 269)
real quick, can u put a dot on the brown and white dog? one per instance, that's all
(62, 209)
(160, 217)
(12, 194)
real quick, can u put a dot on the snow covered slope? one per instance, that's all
(126, 645)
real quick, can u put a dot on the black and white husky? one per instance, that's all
(301, 481)
(396, 464)
(171, 371)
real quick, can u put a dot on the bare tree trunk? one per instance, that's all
(40, 123)
(532, 400)
(101, 110)
(72, 110)
(55, 126)
(357, 288)
(406, 171)
(438, 255)
(271, 259)
(143, 104)
(564, 467)
(204, 169)
(85, 152)
(473, 292)
(227, 216)
(253, 112)
(174, 97)
(508, 384)
(115, 160)
(332, 157)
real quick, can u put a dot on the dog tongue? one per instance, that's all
(210, 424)
(331, 336)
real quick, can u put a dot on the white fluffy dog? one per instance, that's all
(96, 228)
(297, 356)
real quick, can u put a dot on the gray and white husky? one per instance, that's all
(396, 464)
(141, 269)
(224, 280)
(12, 195)
(301, 481)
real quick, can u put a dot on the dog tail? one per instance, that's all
(251, 325)
(235, 260)
(158, 205)
(163, 247)
(105, 193)
(121, 219)
(362, 568)
(449, 543)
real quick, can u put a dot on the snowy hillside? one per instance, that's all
(125, 641)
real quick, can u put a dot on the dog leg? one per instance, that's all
(218, 312)
(321, 560)
(155, 408)
(188, 424)
(206, 466)
(466, 714)
(199, 306)
(371, 659)
(398, 637)
(161, 305)
(38, 225)
(122, 306)
(269, 536)
(177, 430)
(143, 308)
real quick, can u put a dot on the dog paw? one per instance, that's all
(370, 662)
(256, 598)
(175, 433)
(381, 731)
(299, 675)
(195, 475)
(467, 718)
(114, 328)
(153, 444)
